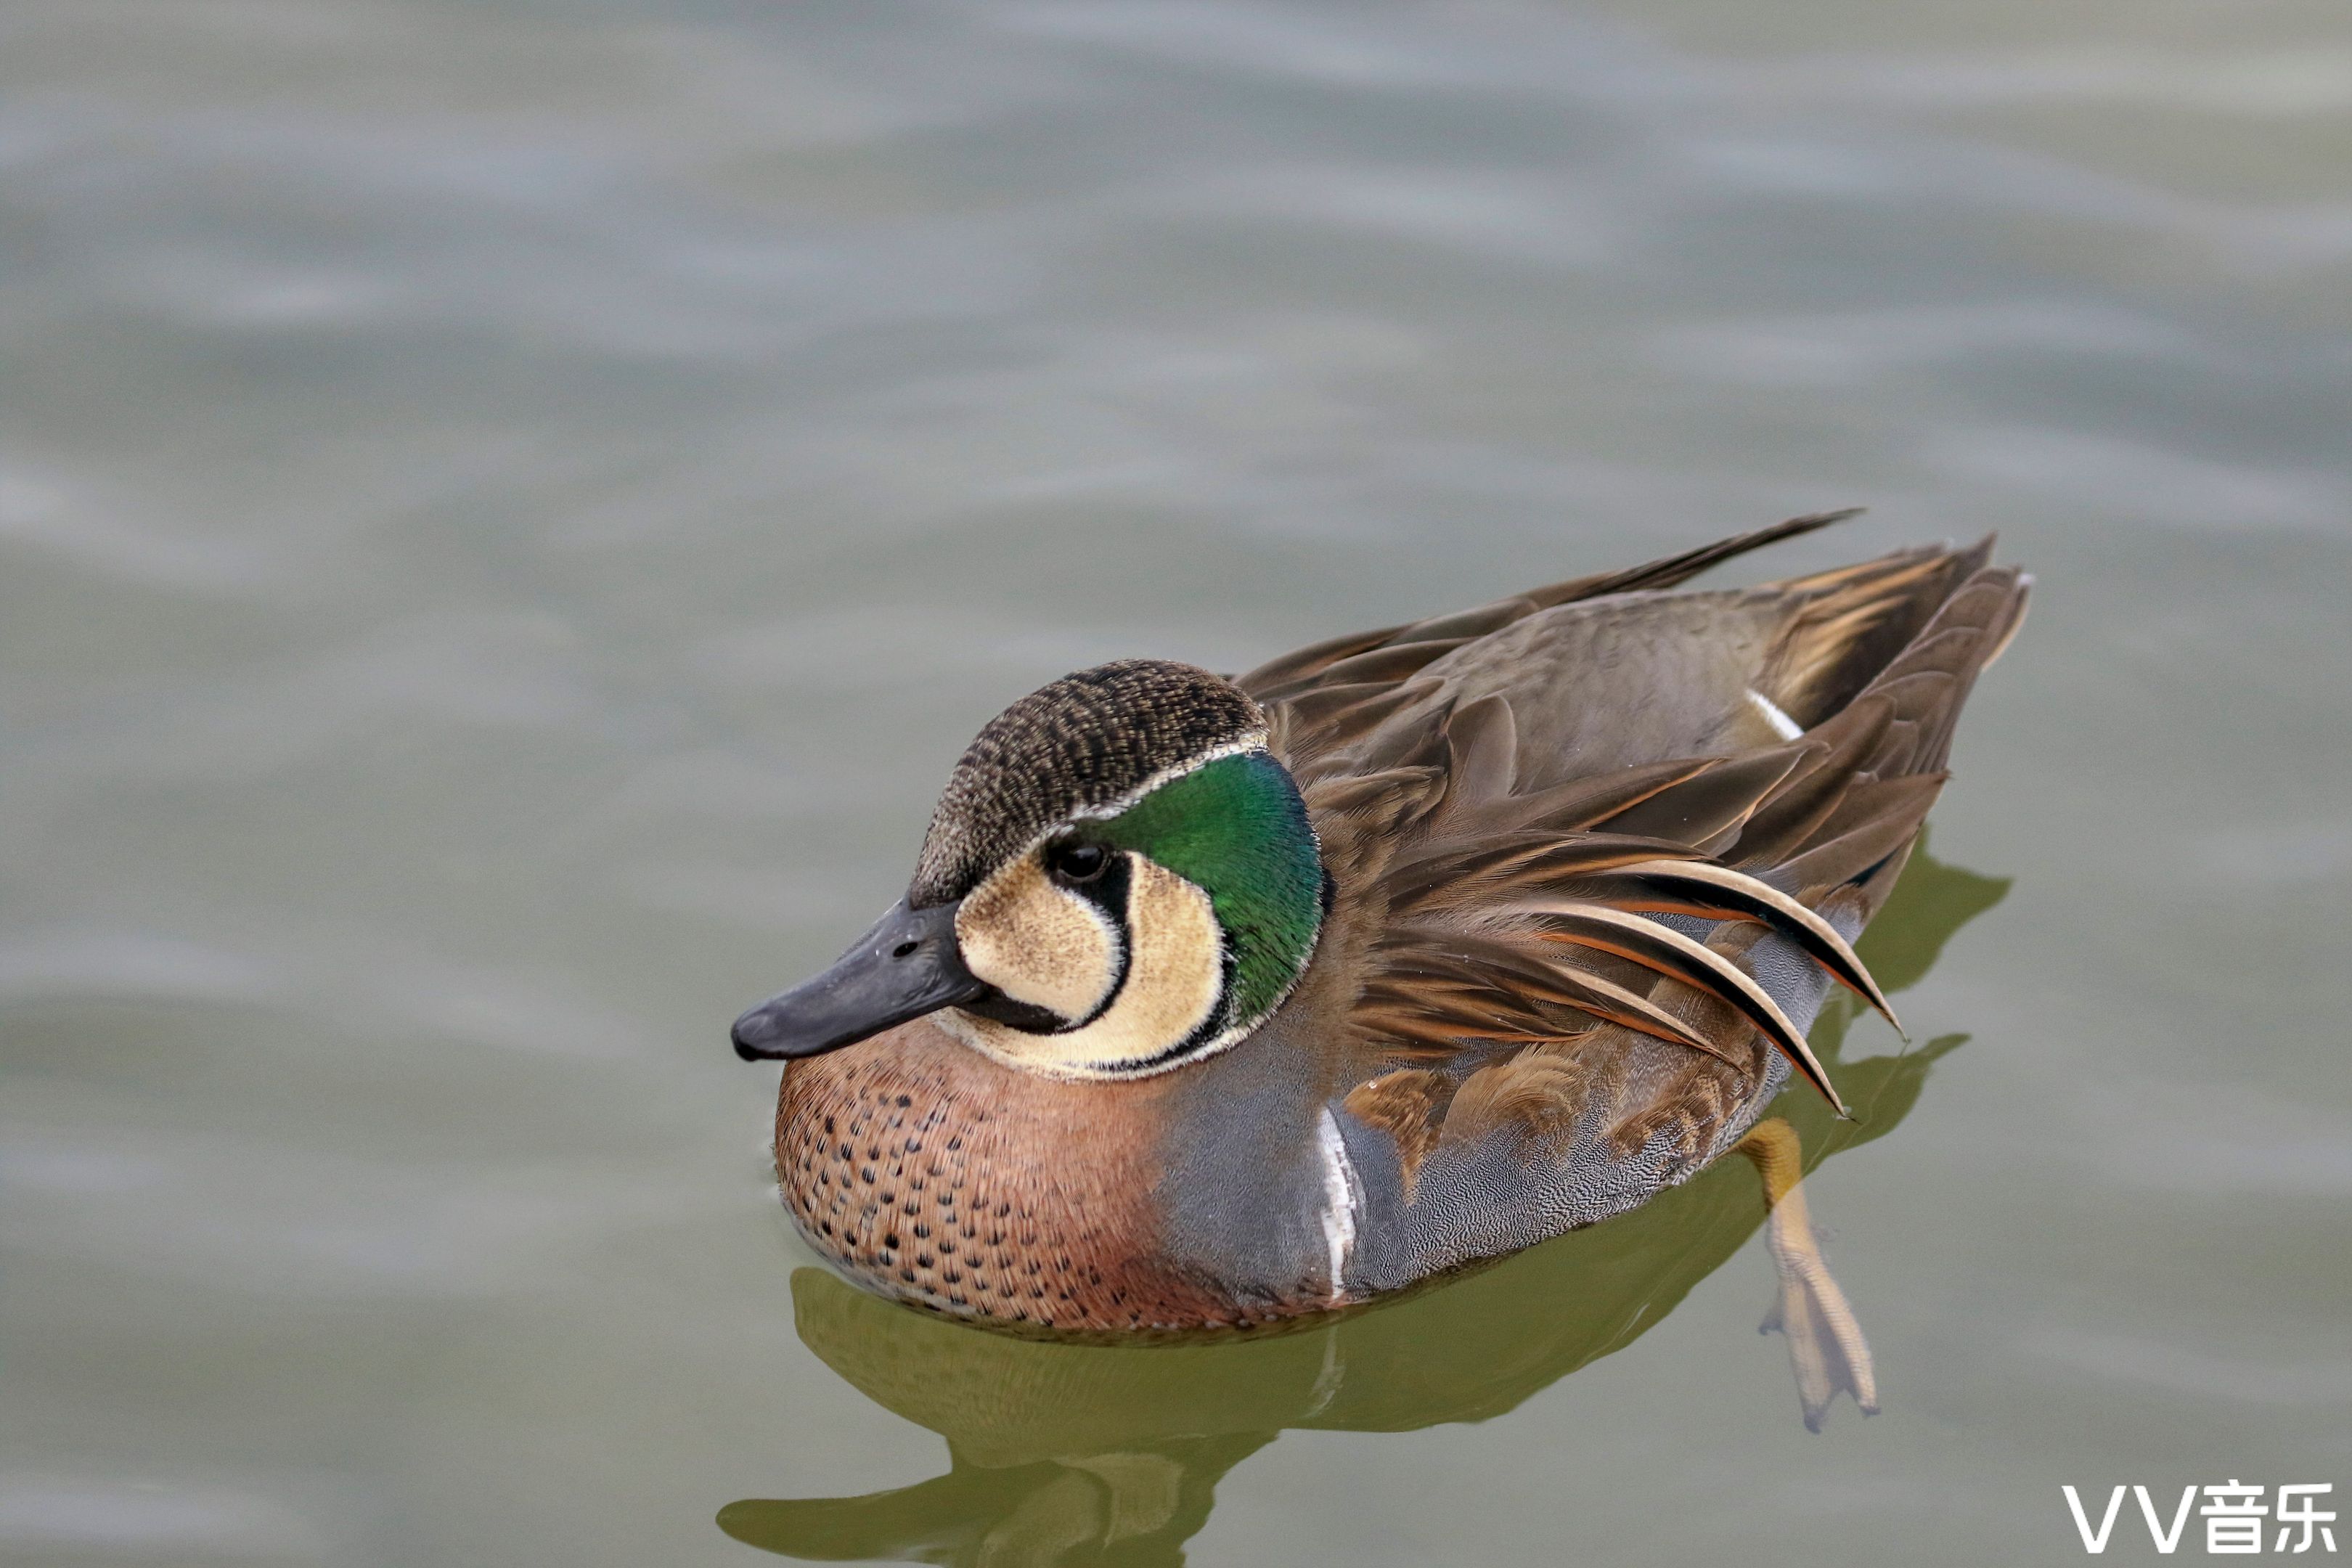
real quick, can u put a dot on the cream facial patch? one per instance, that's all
(1039, 943)
(1175, 978)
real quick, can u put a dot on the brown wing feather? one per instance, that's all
(1377, 661)
(1849, 625)
(1506, 919)
(1674, 570)
(1407, 1105)
(1708, 806)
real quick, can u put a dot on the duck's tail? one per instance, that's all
(1875, 669)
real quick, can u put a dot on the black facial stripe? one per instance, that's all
(1108, 894)
(1210, 1026)
(1025, 1017)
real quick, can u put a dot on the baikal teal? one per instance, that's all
(1217, 1004)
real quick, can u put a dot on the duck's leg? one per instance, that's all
(1826, 1349)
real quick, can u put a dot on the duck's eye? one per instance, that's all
(1077, 862)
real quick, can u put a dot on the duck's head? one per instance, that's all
(1118, 879)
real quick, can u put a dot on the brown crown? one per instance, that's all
(1086, 739)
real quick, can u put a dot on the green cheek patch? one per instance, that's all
(1237, 828)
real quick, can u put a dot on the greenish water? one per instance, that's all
(508, 512)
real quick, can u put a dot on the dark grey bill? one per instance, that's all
(907, 965)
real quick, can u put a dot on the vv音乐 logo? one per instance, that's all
(2236, 1516)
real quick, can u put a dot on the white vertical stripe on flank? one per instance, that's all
(1338, 1200)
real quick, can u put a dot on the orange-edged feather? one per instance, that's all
(1507, 922)
(1677, 957)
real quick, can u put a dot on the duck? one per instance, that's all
(1219, 1003)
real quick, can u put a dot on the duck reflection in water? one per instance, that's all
(1074, 1453)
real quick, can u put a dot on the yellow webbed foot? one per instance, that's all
(1826, 1348)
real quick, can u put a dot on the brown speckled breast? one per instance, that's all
(933, 1175)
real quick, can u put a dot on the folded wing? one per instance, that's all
(1578, 808)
